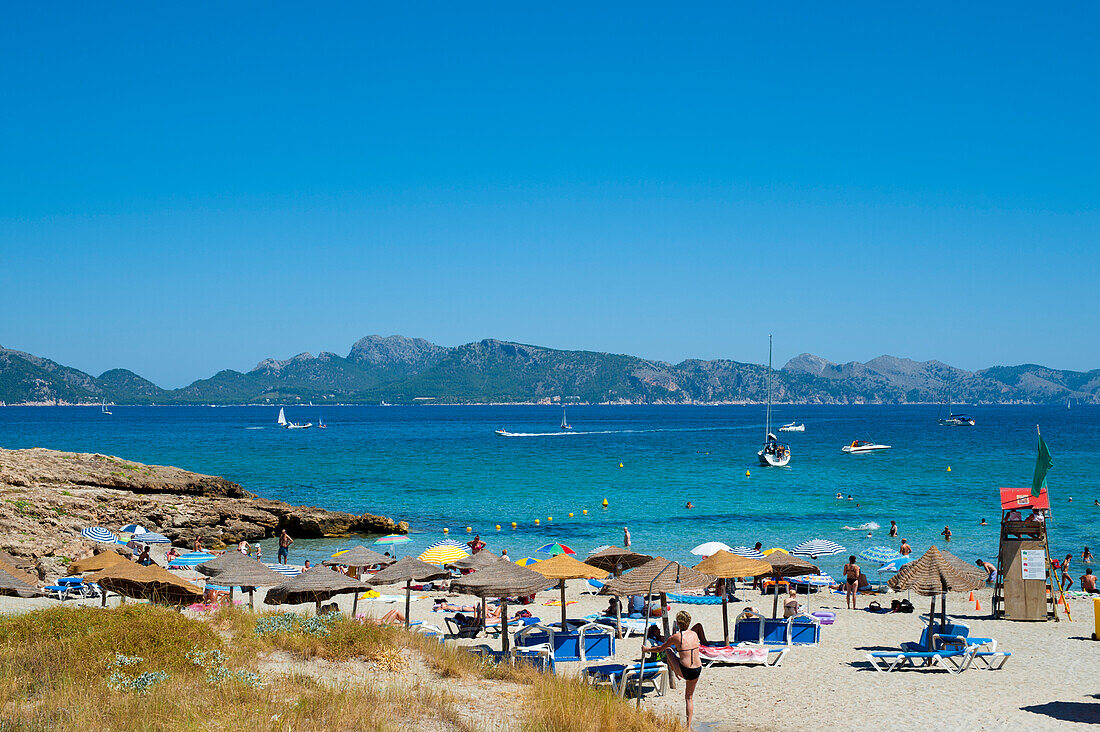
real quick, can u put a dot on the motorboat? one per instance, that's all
(282, 422)
(773, 453)
(793, 427)
(502, 433)
(861, 446)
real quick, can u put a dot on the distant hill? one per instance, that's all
(403, 370)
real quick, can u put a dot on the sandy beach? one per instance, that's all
(1049, 683)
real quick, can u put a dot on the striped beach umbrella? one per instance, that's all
(555, 549)
(747, 551)
(815, 548)
(98, 533)
(527, 561)
(152, 537)
(285, 569)
(880, 554)
(391, 539)
(895, 564)
(191, 559)
(450, 542)
(442, 555)
(814, 580)
(133, 529)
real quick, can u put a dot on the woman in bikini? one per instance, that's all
(851, 575)
(685, 663)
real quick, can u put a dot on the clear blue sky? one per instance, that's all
(185, 189)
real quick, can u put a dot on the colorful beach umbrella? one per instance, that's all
(527, 561)
(814, 580)
(442, 555)
(191, 559)
(152, 537)
(775, 549)
(880, 554)
(98, 533)
(555, 548)
(748, 551)
(450, 542)
(285, 569)
(133, 529)
(895, 564)
(815, 548)
(709, 548)
(391, 539)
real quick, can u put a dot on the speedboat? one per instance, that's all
(793, 427)
(502, 433)
(773, 453)
(861, 446)
(958, 420)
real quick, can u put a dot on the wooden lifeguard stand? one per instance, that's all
(1025, 583)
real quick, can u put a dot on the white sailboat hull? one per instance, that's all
(793, 428)
(774, 460)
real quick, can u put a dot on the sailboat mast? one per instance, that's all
(768, 418)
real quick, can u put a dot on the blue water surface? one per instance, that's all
(443, 467)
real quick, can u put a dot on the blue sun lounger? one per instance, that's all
(954, 634)
(952, 661)
(621, 675)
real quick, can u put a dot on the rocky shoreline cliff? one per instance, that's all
(48, 496)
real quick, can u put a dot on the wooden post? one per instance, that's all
(484, 618)
(619, 618)
(354, 604)
(775, 602)
(725, 620)
(103, 600)
(408, 601)
(503, 624)
(563, 627)
(317, 609)
(251, 597)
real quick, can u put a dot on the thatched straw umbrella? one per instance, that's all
(407, 570)
(16, 582)
(728, 565)
(502, 581)
(240, 571)
(357, 558)
(564, 567)
(782, 565)
(481, 560)
(149, 583)
(937, 573)
(616, 560)
(314, 585)
(658, 575)
(96, 562)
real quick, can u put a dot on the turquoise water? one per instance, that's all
(443, 467)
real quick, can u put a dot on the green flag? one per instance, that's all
(1043, 463)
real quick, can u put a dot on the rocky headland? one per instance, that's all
(47, 497)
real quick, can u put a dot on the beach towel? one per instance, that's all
(557, 603)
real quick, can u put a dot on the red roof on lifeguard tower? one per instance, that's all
(1021, 498)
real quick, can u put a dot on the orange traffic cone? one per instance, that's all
(972, 596)
(977, 605)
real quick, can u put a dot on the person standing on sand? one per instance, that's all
(904, 549)
(284, 546)
(685, 663)
(851, 574)
(626, 537)
(1067, 581)
(893, 529)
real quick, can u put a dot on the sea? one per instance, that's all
(445, 471)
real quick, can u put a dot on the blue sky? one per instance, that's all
(187, 192)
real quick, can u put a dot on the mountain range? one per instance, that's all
(402, 370)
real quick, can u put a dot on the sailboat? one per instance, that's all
(773, 452)
(565, 425)
(282, 421)
(956, 420)
(103, 408)
(282, 418)
(321, 423)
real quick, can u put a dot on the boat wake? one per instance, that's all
(253, 428)
(564, 433)
(869, 526)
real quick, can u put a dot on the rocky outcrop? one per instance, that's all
(47, 497)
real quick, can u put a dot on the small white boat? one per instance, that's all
(861, 446)
(565, 425)
(282, 422)
(957, 420)
(793, 427)
(773, 453)
(502, 433)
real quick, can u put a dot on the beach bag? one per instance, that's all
(874, 606)
(906, 606)
(895, 606)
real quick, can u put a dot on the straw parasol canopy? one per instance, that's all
(563, 567)
(481, 560)
(359, 556)
(242, 571)
(96, 562)
(937, 572)
(785, 565)
(9, 568)
(501, 580)
(313, 585)
(407, 570)
(224, 560)
(728, 565)
(674, 579)
(15, 582)
(148, 583)
(616, 560)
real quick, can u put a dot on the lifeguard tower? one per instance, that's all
(1025, 585)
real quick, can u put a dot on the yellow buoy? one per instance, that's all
(620, 465)
(746, 474)
(536, 522)
(570, 515)
(468, 529)
(605, 503)
(498, 527)
(549, 519)
(446, 531)
(585, 512)
(513, 524)
(949, 468)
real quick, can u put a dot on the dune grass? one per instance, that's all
(55, 665)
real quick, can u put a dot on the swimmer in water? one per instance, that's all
(849, 496)
(690, 505)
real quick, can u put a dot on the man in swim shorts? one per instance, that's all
(990, 570)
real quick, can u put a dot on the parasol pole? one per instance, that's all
(408, 601)
(562, 584)
(645, 635)
(504, 624)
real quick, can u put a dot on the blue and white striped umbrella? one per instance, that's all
(895, 565)
(815, 548)
(285, 569)
(814, 580)
(191, 559)
(98, 533)
(747, 551)
(151, 537)
(133, 529)
(450, 542)
(880, 554)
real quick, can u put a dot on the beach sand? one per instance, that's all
(1051, 681)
